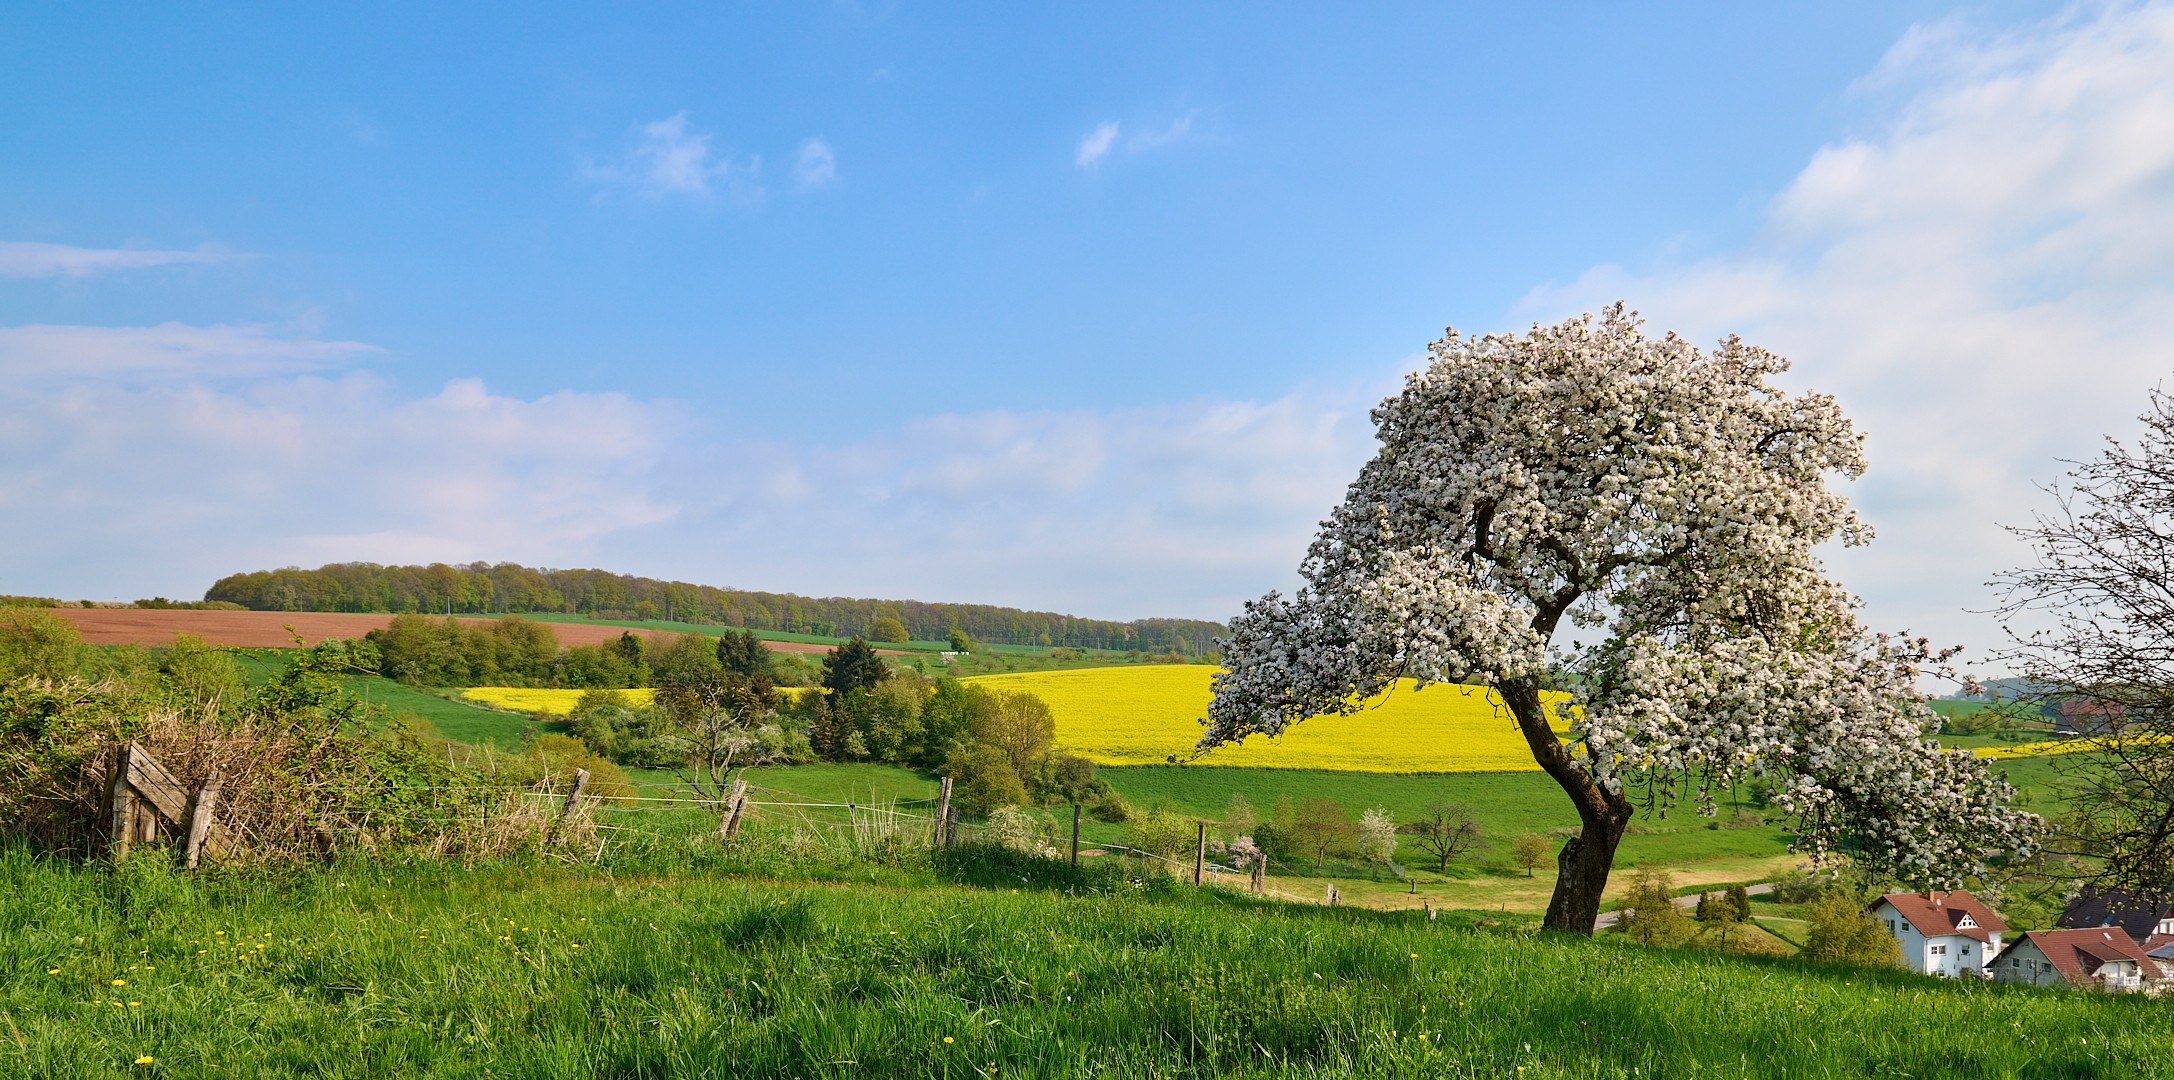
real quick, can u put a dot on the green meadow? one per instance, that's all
(771, 957)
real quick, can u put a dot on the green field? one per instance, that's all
(764, 959)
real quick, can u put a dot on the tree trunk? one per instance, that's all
(1582, 866)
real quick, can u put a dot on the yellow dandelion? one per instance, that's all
(133, 1004)
(947, 1038)
(144, 1060)
(218, 933)
(120, 982)
(52, 971)
(115, 1004)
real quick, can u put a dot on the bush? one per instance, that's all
(1163, 832)
(984, 776)
(1654, 917)
(887, 629)
(1842, 931)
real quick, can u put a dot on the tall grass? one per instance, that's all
(693, 958)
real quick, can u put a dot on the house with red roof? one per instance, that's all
(1942, 933)
(2102, 958)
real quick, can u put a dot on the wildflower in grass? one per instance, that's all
(120, 982)
(52, 971)
(145, 1060)
(947, 1038)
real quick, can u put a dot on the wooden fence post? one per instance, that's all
(121, 802)
(730, 826)
(581, 780)
(951, 827)
(943, 809)
(1332, 897)
(1260, 874)
(1200, 851)
(1075, 834)
(200, 809)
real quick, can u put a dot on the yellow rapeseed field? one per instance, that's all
(555, 702)
(1136, 715)
(561, 702)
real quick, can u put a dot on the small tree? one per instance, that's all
(2100, 580)
(1531, 852)
(1377, 838)
(959, 641)
(886, 628)
(1238, 816)
(745, 653)
(1654, 917)
(853, 666)
(1322, 827)
(1841, 929)
(1162, 832)
(1446, 831)
(1739, 899)
(1669, 501)
(722, 722)
(1717, 917)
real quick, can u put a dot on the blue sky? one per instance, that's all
(1072, 310)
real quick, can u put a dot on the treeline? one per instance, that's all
(481, 588)
(425, 651)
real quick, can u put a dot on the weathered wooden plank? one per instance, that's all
(573, 798)
(156, 785)
(120, 803)
(200, 809)
(730, 826)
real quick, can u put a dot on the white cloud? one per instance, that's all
(1149, 140)
(1095, 144)
(166, 351)
(1985, 279)
(815, 165)
(161, 485)
(30, 258)
(668, 159)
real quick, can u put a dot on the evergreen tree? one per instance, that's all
(853, 666)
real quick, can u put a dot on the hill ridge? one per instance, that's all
(484, 588)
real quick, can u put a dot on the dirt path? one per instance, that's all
(267, 629)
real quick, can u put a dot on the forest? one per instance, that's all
(483, 588)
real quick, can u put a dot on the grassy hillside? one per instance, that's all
(749, 962)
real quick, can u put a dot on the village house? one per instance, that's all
(2101, 958)
(1942, 933)
(2150, 922)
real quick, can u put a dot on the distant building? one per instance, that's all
(1942, 933)
(2147, 921)
(2101, 958)
(2078, 717)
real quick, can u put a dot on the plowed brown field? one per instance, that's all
(267, 629)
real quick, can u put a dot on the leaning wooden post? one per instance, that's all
(122, 803)
(943, 809)
(729, 826)
(1075, 834)
(1200, 851)
(200, 809)
(951, 827)
(581, 780)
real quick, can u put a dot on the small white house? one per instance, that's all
(1942, 933)
(2101, 958)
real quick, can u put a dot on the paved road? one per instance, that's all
(1610, 918)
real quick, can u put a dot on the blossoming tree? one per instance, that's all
(1666, 501)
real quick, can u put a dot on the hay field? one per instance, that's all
(1137, 715)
